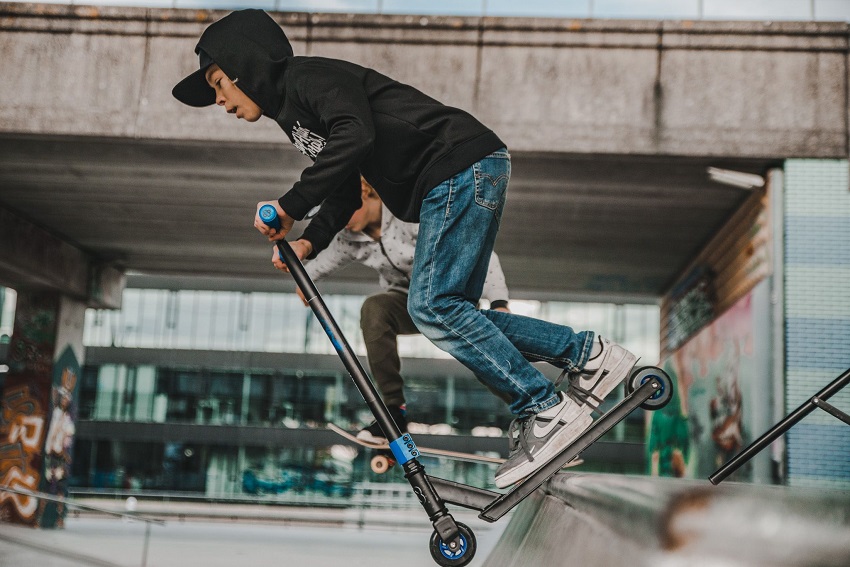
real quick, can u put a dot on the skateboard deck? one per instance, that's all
(456, 455)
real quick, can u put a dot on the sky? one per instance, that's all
(636, 9)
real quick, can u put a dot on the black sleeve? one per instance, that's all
(338, 99)
(333, 214)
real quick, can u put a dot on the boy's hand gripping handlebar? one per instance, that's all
(269, 215)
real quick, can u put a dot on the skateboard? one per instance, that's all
(384, 460)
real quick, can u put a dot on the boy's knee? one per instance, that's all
(375, 309)
(371, 306)
(418, 309)
(426, 317)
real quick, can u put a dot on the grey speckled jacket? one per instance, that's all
(392, 258)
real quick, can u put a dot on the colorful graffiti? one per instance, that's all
(36, 414)
(60, 437)
(21, 436)
(710, 418)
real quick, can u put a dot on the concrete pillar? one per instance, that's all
(39, 404)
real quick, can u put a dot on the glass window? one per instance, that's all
(278, 322)
(224, 397)
(8, 299)
(182, 317)
(223, 321)
(183, 390)
(195, 396)
(277, 326)
(203, 320)
(259, 397)
(110, 379)
(127, 331)
(151, 317)
(87, 391)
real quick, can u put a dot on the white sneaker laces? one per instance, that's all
(516, 434)
(581, 396)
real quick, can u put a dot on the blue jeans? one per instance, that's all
(458, 226)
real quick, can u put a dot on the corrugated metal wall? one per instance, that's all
(817, 312)
(728, 267)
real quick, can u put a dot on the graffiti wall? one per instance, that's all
(60, 436)
(36, 414)
(722, 379)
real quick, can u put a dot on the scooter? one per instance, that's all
(452, 543)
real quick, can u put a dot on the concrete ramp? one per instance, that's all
(608, 520)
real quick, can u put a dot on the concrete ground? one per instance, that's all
(395, 539)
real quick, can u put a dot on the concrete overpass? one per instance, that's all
(612, 125)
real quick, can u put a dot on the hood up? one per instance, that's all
(250, 47)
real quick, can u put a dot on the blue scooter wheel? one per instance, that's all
(444, 555)
(660, 398)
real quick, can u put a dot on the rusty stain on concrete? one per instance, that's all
(672, 538)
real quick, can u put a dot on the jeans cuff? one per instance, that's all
(586, 349)
(543, 406)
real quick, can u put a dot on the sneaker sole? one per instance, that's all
(559, 442)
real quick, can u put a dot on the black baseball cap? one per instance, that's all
(194, 89)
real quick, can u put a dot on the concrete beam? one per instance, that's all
(32, 258)
(744, 89)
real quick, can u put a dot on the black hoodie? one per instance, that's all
(349, 120)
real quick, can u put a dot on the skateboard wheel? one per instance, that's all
(662, 397)
(445, 555)
(381, 464)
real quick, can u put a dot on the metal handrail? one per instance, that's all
(789, 421)
(71, 504)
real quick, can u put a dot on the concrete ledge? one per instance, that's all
(31, 257)
(618, 520)
(747, 89)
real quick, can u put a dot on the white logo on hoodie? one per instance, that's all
(307, 142)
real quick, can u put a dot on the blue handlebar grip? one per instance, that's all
(268, 214)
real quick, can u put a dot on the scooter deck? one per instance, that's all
(455, 455)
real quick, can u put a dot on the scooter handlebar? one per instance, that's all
(268, 214)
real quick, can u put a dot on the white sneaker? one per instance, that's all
(535, 440)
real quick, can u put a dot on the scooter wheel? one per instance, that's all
(444, 555)
(381, 464)
(660, 398)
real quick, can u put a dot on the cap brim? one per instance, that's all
(194, 89)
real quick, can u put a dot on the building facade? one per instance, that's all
(228, 394)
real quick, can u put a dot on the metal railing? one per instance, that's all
(79, 506)
(792, 419)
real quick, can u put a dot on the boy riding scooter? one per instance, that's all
(431, 164)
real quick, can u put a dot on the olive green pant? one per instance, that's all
(383, 318)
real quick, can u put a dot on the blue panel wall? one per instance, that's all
(817, 310)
